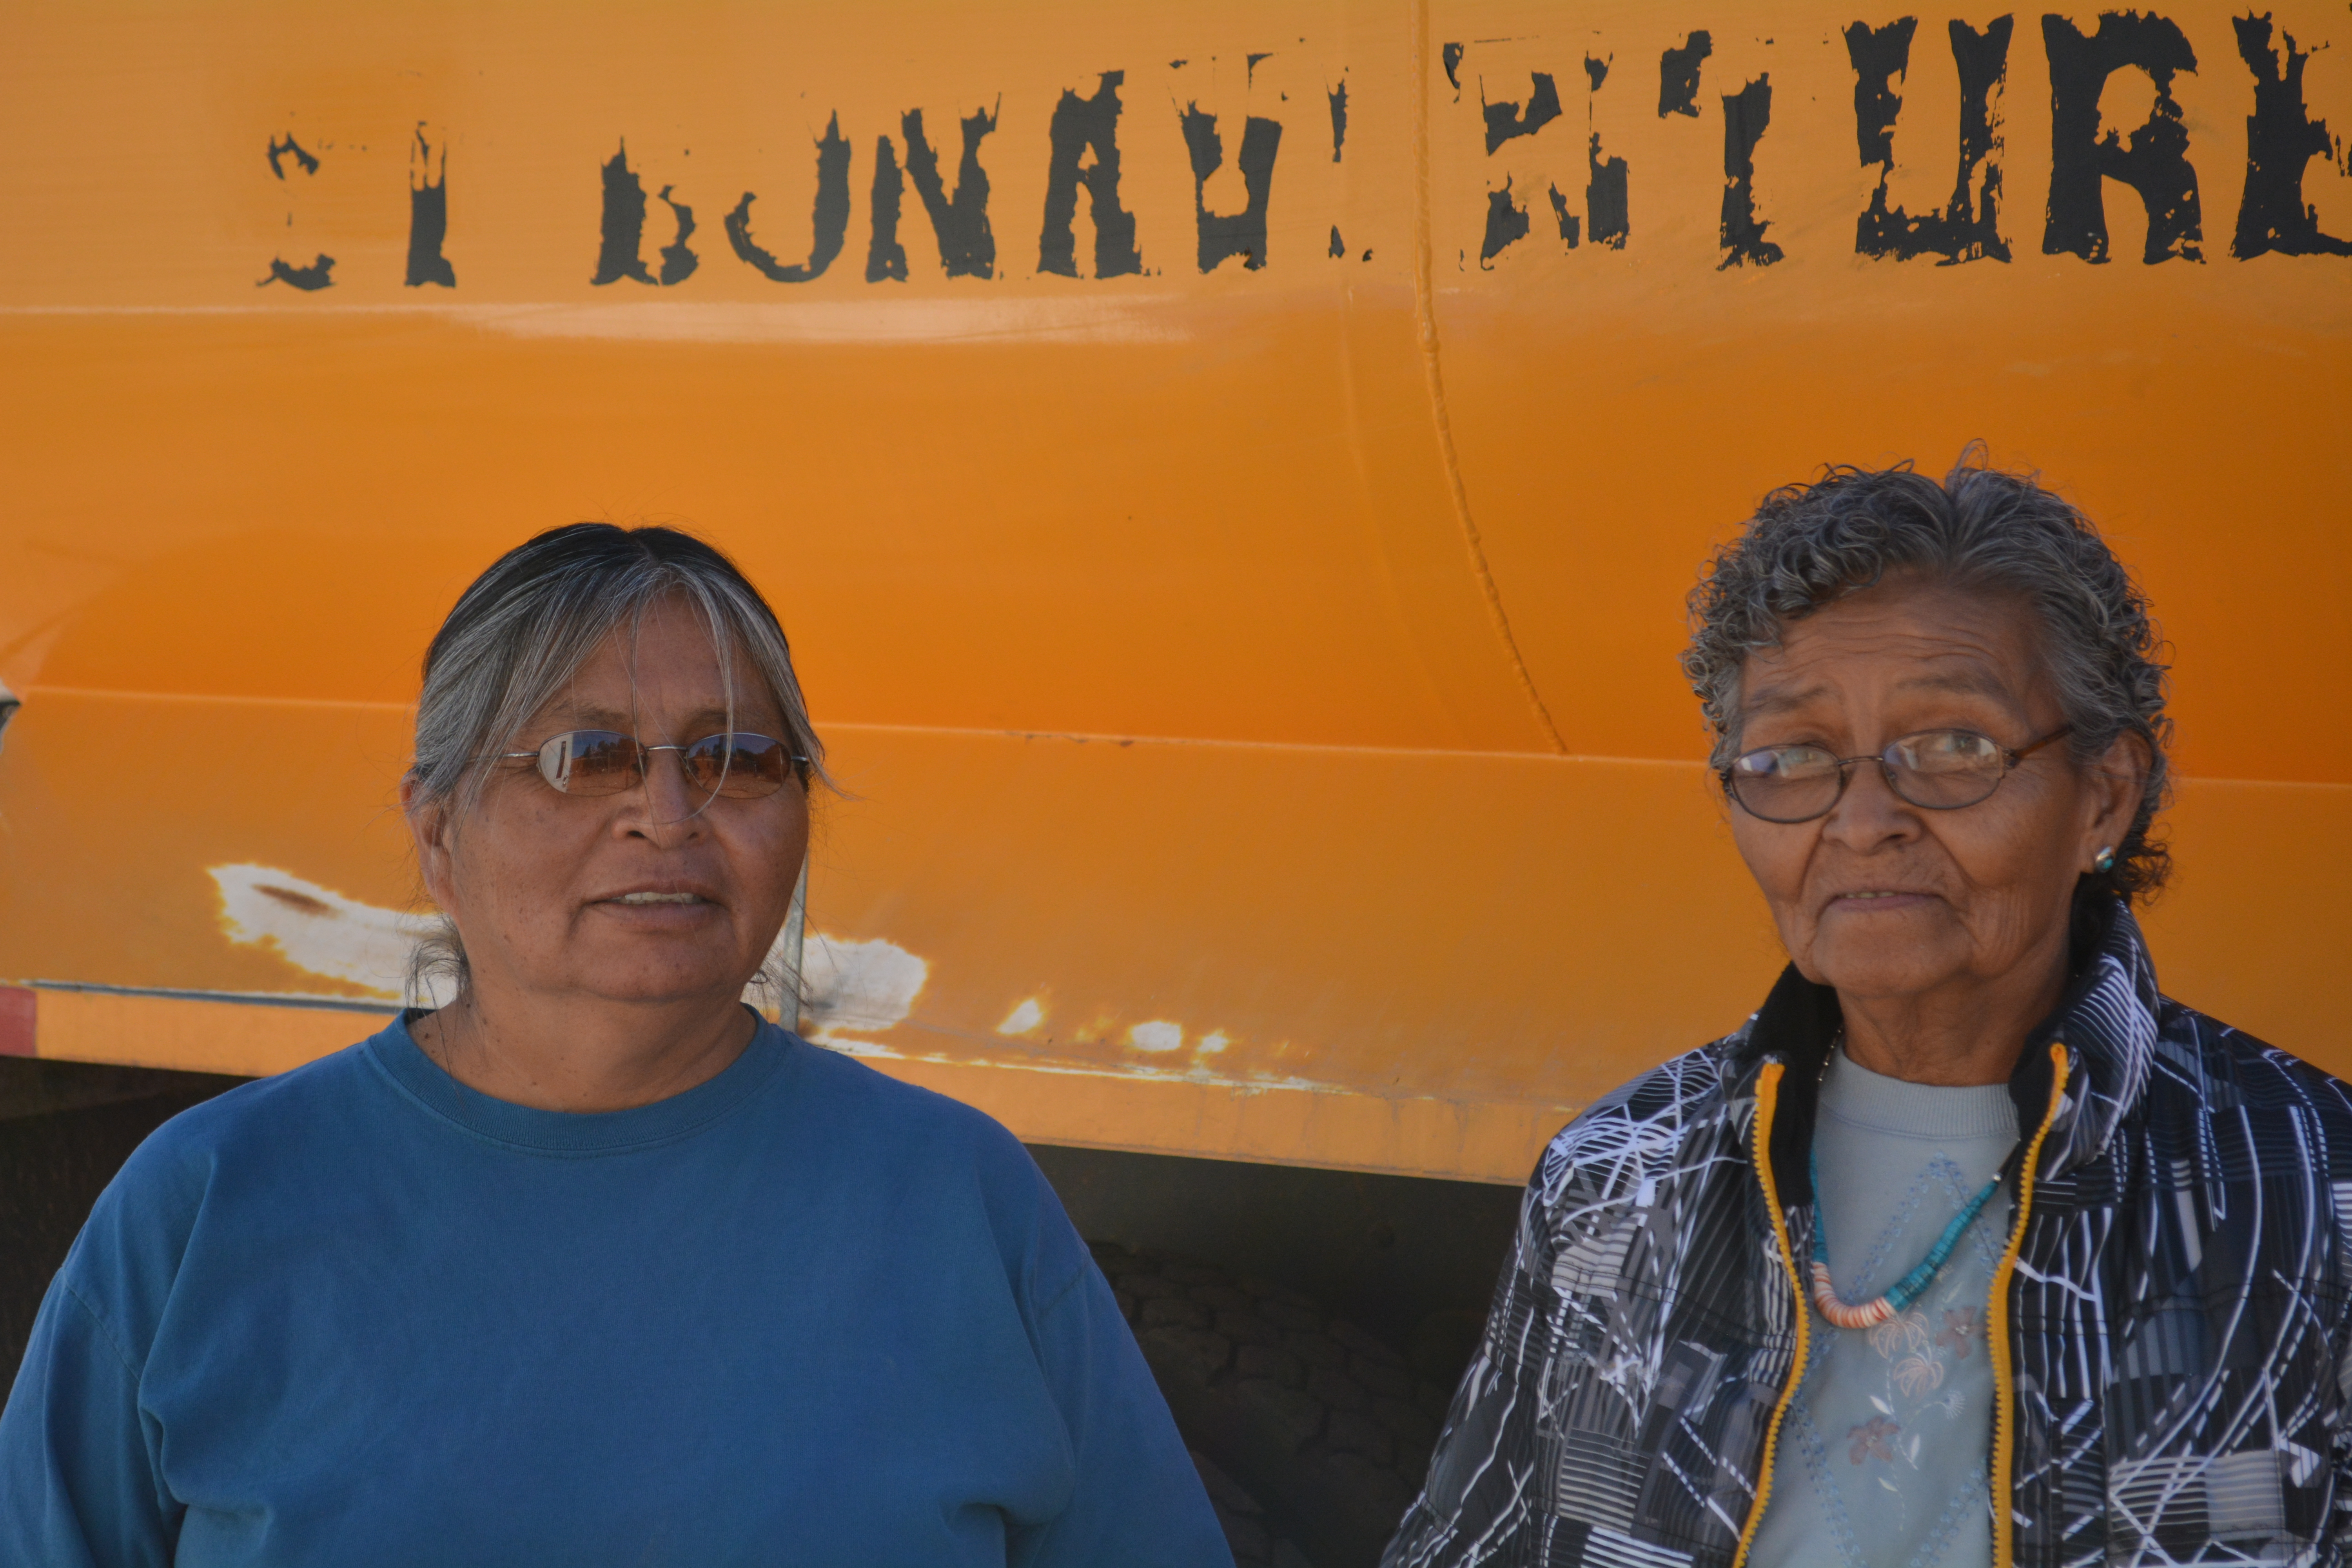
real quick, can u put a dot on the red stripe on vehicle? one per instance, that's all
(17, 1010)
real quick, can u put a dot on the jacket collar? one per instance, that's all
(2107, 1021)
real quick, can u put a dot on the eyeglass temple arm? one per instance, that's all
(2022, 752)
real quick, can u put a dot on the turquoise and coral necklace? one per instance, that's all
(1906, 1290)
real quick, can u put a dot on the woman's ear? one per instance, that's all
(430, 825)
(2116, 783)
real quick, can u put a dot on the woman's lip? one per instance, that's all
(665, 915)
(1876, 900)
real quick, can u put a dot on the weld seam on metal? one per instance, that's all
(232, 999)
(1424, 305)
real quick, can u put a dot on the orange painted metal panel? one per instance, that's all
(1260, 672)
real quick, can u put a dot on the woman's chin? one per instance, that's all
(656, 984)
(1884, 970)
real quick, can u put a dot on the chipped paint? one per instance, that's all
(851, 990)
(1148, 1072)
(1159, 1034)
(857, 987)
(316, 929)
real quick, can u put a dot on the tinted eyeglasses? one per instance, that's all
(605, 762)
(1938, 770)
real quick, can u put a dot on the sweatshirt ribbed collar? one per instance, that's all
(1855, 1095)
(396, 1054)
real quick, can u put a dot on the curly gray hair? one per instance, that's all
(1810, 545)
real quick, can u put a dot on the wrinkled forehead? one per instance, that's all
(1903, 639)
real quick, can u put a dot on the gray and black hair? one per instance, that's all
(520, 633)
(1810, 545)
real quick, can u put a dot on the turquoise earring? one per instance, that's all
(2105, 861)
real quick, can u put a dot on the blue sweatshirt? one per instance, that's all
(362, 1314)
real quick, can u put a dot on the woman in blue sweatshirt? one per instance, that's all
(592, 1265)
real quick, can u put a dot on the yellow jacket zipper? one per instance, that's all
(2004, 1391)
(1768, 1101)
(2004, 1387)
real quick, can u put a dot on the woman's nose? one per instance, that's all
(1870, 812)
(671, 804)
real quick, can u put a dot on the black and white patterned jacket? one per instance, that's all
(2169, 1328)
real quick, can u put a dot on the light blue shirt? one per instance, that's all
(1883, 1460)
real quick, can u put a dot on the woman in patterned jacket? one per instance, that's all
(1970, 1246)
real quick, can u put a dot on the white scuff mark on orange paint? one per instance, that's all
(316, 929)
(1251, 1083)
(1211, 1044)
(851, 1046)
(1022, 1019)
(862, 987)
(1159, 1034)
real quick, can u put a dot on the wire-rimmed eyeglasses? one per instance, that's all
(1937, 770)
(605, 762)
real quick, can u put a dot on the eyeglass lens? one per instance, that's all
(1940, 770)
(604, 761)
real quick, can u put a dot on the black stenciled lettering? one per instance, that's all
(828, 219)
(1084, 126)
(885, 256)
(967, 248)
(1450, 56)
(428, 216)
(1570, 228)
(316, 276)
(1967, 229)
(2280, 138)
(281, 147)
(620, 234)
(1505, 120)
(1746, 114)
(1880, 56)
(623, 229)
(1507, 223)
(1605, 195)
(678, 259)
(2153, 159)
(1241, 234)
(307, 279)
(1678, 75)
(623, 232)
